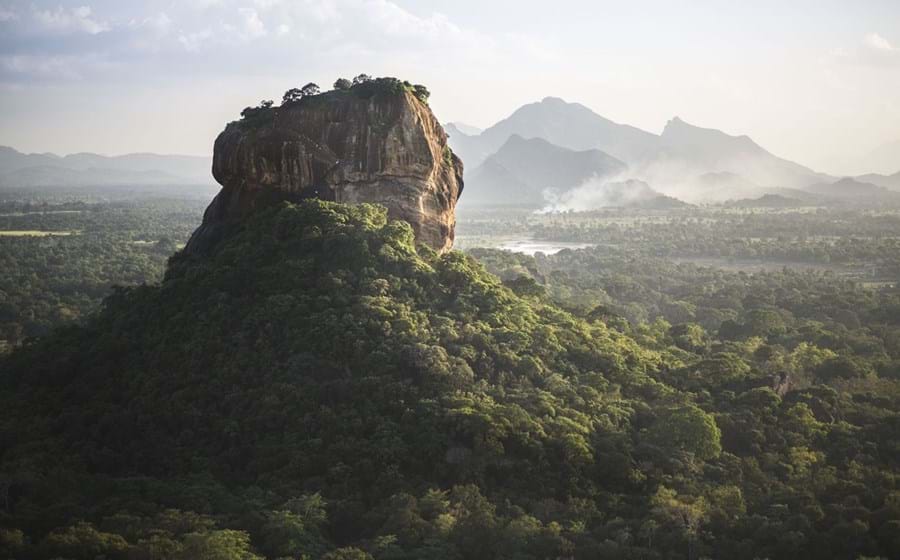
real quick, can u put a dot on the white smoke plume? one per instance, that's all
(599, 192)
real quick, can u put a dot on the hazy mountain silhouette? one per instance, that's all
(54, 176)
(569, 125)
(672, 161)
(692, 147)
(462, 128)
(84, 169)
(705, 145)
(522, 170)
(887, 181)
(11, 160)
(724, 186)
(686, 161)
(767, 201)
(851, 190)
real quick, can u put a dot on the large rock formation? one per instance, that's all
(376, 142)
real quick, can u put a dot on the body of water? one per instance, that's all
(532, 246)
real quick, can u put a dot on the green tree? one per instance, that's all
(348, 553)
(421, 93)
(765, 322)
(291, 95)
(12, 541)
(690, 337)
(286, 533)
(842, 367)
(310, 89)
(689, 428)
(686, 513)
(84, 541)
(224, 544)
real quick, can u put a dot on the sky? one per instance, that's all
(816, 81)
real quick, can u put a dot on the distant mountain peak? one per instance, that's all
(677, 130)
(677, 124)
(565, 124)
(550, 100)
(461, 128)
(888, 181)
(519, 140)
(539, 147)
(853, 190)
(851, 182)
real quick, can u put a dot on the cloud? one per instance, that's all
(874, 50)
(372, 25)
(250, 37)
(8, 14)
(149, 34)
(52, 68)
(394, 20)
(879, 51)
(193, 41)
(72, 20)
(879, 43)
(265, 4)
(161, 23)
(317, 11)
(203, 4)
(253, 25)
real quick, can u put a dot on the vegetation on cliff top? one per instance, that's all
(363, 86)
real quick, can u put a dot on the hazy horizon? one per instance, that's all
(814, 82)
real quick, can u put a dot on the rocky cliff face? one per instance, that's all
(351, 146)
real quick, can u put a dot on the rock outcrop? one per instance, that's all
(377, 142)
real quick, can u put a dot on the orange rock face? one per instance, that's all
(385, 148)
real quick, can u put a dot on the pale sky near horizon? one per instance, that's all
(816, 81)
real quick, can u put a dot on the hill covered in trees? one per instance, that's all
(320, 387)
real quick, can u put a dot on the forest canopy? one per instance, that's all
(319, 386)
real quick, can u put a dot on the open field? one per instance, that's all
(35, 233)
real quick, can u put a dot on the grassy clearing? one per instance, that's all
(41, 213)
(34, 233)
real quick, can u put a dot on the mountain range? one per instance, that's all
(708, 150)
(887, 181)
(532, 158)
(86, 169)
(569, 125)
(852, 189)
(687, 161)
